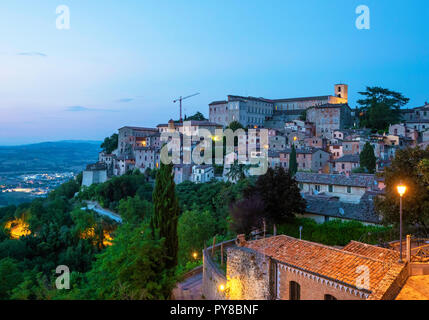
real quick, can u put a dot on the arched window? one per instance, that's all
(294, 291)
(329, 297)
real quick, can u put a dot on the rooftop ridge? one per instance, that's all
(328, 247)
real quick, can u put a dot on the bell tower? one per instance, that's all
(342, 91)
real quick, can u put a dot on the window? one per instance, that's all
(317, 187)
(294, 291)
(329, 297)
(331, 188)
(349, 189)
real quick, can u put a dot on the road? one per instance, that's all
(93, 205)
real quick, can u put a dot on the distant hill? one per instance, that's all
(59, 156)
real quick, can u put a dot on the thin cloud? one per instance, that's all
(85, 109)
(77, 109)
(32, 54)
(125, 100)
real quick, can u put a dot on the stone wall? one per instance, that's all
(213, 278)
(248, 276)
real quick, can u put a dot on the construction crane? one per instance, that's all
(180, 100)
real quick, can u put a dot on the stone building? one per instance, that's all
(330, 117)
(346, 164)
(202, 173)
(94, 173)
(147, 158)
(190, 127)
(346, 188)
(308, 159)
(254, 112)
(285, 268)
(131, 137)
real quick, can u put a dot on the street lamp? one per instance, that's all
(195, 255)
(401, 190)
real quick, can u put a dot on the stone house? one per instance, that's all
(346, 163)
(346, 188)
(285, 268)
(182, 173)
(336, 151)
(131, 137)
(94, 174)
(329, 117)
(147, 158)
(202, 173)
(308, 159)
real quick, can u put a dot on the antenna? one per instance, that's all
(181, 99)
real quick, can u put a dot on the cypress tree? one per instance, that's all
(367, 158)
(166, 212)
(293, 164)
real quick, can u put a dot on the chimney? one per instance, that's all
(241, 240)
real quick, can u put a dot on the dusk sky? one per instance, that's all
(124, 62)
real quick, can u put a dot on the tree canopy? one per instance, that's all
(280, 194)
(380, 107)
(408, 167)
(198, 116)
(110, 144)
(367, 158)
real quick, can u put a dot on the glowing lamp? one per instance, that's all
(401, 189)
(295, 138)
(222, 288)
(195, 255)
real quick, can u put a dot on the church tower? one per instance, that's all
(342, 91)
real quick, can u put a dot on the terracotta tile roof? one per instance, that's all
(382, 254)
(331, 263)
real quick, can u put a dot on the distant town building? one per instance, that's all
(308, 159)
(202, 173)
(346, 164)
(254, 112)
(94, 173)
(347, 188)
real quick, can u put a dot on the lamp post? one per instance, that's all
(401, 190)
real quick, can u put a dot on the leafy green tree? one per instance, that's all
(406, 168)
(166, 212)
(194, 229)
(132, 269)
(110, 144)
(280, 195)
(293, 164)
(237, 171)
(135, 210)
(380, 107)
(367, 158)
(247, 214)
(10, 277)
(235, 125)
(196, 117)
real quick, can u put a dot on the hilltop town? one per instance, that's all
(322, 132)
